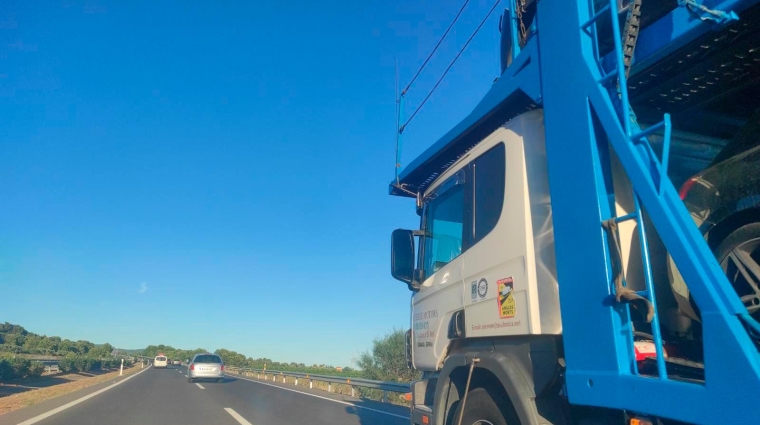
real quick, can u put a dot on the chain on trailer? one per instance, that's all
(631, 34)
(519, 10)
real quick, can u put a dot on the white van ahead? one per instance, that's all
(160, 362)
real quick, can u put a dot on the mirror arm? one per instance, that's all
(416, 282)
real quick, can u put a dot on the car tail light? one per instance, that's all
(686, 187)
(192, 366)
(222, 368)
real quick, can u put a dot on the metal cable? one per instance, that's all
(401, 129)
(403, 92)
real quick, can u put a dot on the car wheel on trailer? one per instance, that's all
(482, 408)
(739, 257)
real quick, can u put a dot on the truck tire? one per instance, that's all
(482, 408)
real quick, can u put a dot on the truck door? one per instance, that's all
(500, 262)
(443, 221)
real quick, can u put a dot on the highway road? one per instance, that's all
(164, 397)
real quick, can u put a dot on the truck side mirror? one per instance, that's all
(402, 256)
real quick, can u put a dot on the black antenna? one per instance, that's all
(397, 102)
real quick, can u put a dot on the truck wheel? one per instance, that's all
(739, 257)
(190, 380)
(482, 408)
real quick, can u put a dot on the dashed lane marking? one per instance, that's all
(241, 420)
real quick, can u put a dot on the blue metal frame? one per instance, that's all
(560, 70)
(581, 112)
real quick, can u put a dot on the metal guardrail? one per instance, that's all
(396, 387)
(51, 365)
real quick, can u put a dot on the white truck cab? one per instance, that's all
(485, 263)
(484, 277)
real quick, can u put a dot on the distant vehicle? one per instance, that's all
(160, 362)
(176, 362)
(206, 366)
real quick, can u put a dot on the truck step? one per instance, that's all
(677, 368)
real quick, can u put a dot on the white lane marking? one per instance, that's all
(185, 376)
(50, 413)
(241, 420)
(325, 398)
(200, 386)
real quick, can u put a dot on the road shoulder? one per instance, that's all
(26, 413)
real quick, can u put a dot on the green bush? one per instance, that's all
(19, 367)
(79, 364)
(5, 368)
(16, 367)
(85, 364)
(36, 369)
(67, 364)
(76, 363)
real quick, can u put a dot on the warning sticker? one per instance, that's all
(505, 299)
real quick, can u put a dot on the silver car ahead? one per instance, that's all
(205, 366)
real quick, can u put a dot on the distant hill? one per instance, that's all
(129, 352)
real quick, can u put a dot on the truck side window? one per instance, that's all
(444, 218)
(489, 173)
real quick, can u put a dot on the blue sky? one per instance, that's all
(217, 176)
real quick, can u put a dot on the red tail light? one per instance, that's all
(192, 366)
(222, 368)
(686, 187)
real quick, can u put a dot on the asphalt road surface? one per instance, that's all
(164, 397)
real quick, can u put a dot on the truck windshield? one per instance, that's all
(444, 217)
